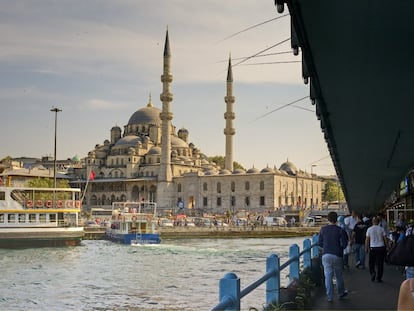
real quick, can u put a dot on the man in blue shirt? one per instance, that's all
(333, 239)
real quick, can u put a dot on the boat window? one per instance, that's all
(2, 195)
(42, 217)
(11, 218)
(2, 218)
(52, 217)
(22, 217)
(32, 218)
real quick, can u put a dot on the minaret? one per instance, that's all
(229, 116)
(165, 172)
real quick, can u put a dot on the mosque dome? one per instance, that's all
(253, 170)
(238, 171)
(267, 170)
(289, 168)
(129, 140)
(178, 142)
(154, 150)
(224, 172)
(146, 115)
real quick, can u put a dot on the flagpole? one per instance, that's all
(91, 173)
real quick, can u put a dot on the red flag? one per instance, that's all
(92, 175)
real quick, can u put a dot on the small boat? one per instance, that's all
(133, 223)
(39, 217)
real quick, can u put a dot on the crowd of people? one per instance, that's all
(367, 239)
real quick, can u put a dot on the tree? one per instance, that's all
(333, 192)
(220, 161)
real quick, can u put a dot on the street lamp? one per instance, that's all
(55, 110)
(313, 165)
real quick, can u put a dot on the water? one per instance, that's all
(101, 275)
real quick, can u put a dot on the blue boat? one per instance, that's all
(134, 223)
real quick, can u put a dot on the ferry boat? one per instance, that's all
(133, 223)
(38, 217)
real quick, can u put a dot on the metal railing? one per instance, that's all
(230, 294)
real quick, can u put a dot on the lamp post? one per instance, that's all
(55, 110)
(313, 165)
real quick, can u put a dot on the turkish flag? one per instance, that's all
(92, 175)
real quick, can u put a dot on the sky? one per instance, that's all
(99, 61)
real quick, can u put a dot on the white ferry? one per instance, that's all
(37, 217)
(133, 223)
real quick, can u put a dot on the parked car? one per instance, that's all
(275, 221)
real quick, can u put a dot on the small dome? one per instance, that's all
(289, 168)
(238, 171)
(224, 172)
(182, 131)
(178, 142)
(267, 170)
(130, 140)
(75, 158)
(154, 150)
(253, 170)
(116, 128)
(210, 172)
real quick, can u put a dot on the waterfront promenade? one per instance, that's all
(363, 294)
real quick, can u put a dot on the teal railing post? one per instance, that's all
(307, 255)
(315, 249)
(230, 289)
(294, 265)
(273, 284)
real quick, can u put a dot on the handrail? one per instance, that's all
(230, 294)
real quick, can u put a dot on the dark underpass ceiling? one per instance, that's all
(359, 57)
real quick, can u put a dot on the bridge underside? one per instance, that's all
(359, 58)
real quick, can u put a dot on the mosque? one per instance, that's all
(150, 160)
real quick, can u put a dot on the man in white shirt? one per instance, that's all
(376, 245)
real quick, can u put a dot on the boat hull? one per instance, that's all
(40, 237)
(144, 238)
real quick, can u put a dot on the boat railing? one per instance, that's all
(230, 294)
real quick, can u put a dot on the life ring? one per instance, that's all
(77, 204)
(29, 204)
(39, 203)
(69, 203)
(49, 204)
(59, 204)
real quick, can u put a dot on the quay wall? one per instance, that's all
(92, 233)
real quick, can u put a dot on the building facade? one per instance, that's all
(151, 160)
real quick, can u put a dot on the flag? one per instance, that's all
(92, 175)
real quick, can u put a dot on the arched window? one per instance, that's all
(262, 185)
(233, 186)
(179, 187)
(205, 186)
(218, 187)
(247, 185)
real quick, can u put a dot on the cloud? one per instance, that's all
(100, 105)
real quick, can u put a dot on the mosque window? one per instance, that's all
(218, 201)
(233, 200)
(247, 185)
(262, 201)
(247, 201)
(233, 186)
(179, 187)
(205, 201)
(205, 186)
(218, 187)
(262, 185)
(149, 161)
(158, 160)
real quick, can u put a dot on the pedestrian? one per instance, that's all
(409, 270)
(406, 296)
(358, 241)
(347, 250)
(333, 239)
(376, 246)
